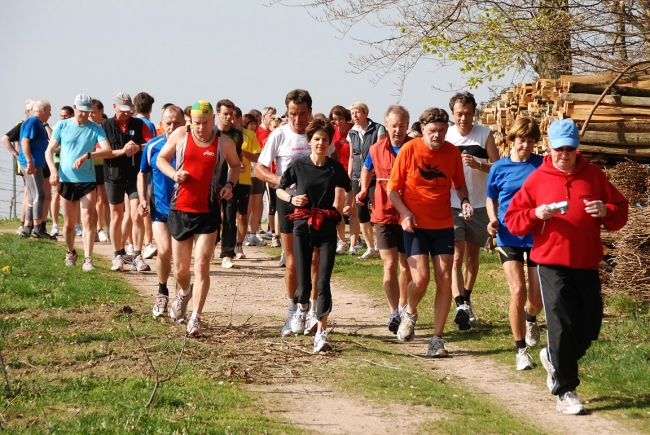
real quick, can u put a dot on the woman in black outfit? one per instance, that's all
(316, 177)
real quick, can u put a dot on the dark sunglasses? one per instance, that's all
(567, 149)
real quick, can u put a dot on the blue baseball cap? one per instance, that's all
(84, 103)
(564, 133)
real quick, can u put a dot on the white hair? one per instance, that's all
(29, 105)
(40, 105)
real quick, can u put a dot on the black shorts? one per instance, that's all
(515, 253)
(390, 236)
(272, 200)
(46, 171)
(364, 210)
(284, 209)
(116, 191)
(429, 242)
(240, 194)
(257, 186)
(183, 225)
(99, 174)
(75, 191)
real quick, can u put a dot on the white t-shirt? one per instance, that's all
(283, 147)
(474, 145)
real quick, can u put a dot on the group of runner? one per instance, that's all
(437, 193)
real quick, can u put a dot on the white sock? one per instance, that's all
(184, 293)
(313, 305)
(292, 305)
(302, 310)
(195, 315)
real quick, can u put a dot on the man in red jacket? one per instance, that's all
(563, 203)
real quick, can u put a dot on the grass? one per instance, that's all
(614, 372)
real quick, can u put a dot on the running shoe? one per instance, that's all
(239, 253)
(254, 240)
(462, 317)
(26, 232)
(71, 258)
(342, 247)
(550, 370)
(226, 263)
(160, 307)
(194, 327)
(55, 229)
(268, 235)
(360, 244)
(118, 264)
(127, 258)
(275, 241)
(320, 342)
(394, 322)
(77, 229)
(370, 253)
(179, 306)
(311, 324)
(88, 264)
(247, 240)
(569, 403)
(139, 265)
(20, 229)
(149, 251)
(353, 250)
(38, 234)
(298, 321)
(470, 313)
(524, 360)
(283, 260)
(436, 348)
(406, 330)
(532, 332)
(286, 329)
(103, 237)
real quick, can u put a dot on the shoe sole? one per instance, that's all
(444, 354)
(462, 320)
(393, 326)
(286, 334)
(324, 348)
(405, 339)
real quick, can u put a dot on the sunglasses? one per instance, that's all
(565, 149)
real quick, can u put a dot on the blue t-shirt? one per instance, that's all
(149, 124)
(504, 181)
(163, 186)
(77, 140)
(368, 163)
(32, 128)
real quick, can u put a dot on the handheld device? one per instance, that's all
(563, 206)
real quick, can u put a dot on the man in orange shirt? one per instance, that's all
(420, 189)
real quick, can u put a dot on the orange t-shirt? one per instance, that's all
(425, 178)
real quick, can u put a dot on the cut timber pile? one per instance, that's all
(618, 129)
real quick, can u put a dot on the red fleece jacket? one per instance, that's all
(573, 239)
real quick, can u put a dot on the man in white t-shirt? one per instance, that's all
(284, 145)
(478, 149)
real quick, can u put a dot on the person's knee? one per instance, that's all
(518, 295)
(182, 273)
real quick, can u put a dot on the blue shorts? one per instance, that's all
(156, 216)
(429, 242)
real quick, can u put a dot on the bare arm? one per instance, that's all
(250, 156)
(234, 166)
(492, 152)
(408, 220)
(264, 173)
(27, 152)
(364, 182)
(49, 159)
(492, 211)
(167, 152)
(143, 208)
(7, 143)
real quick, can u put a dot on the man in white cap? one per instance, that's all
(564, 203)
(75, 176)
(127, 134)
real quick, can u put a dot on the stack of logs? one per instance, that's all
(618, 129)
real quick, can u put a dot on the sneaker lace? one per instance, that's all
(572, 398)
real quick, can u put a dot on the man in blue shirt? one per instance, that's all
(155, 202)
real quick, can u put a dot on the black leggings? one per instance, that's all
(303, 247)
(272, 198)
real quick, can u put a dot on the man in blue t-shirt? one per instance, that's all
(75, 176)
(31, 157)
(155, 203)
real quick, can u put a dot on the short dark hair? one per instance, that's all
(247, 119)
(98, 104)
(175, 108)
(298, 96)
(143, 102)
(226, 103)
(319, 124)
(187, 111)
(238, 112)
(417, 126)
(340, 111)
(463, 98)
(166, 105)
(68, 109)
(433, 114)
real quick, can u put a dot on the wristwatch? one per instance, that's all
(232, 185)
(463, 200)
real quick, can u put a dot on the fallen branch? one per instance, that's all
(233, 300)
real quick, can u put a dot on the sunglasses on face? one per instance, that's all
(565, 149)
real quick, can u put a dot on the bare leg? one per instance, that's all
(404, 279)
(182, 258)
(535, 304)
(517, 283)
(290, 277)
(442, 265)
(417, 288)
(87, 213)
(315, 263)
(117, 216)
(242, 226)
(457, 280)
(70, 217)
(137, 225)
(368, 234)
(471, 265)
(55, 205)
(202, 255)
(163, 243)
(391, 284)
(255, 206)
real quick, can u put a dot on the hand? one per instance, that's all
(360, 196)
(180, 176)
(31, 169)
(469, 160)
(596, 208)
(468, 211)
(300, 200)
(225, 192)
(493, 227)
(80, 161)
(54, 178)
(130, 148)
(346, 210)
(544, 212)
(143, 208)
(408, 222)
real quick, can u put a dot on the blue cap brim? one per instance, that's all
(564, 142)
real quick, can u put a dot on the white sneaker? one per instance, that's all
(20, 229)
(298, 321)
(268, 235)
(102, 236)
(118, 264)
(436, 348)
(139, 265)
(550, 370)
(55, 230)
(275, 242)
(370, 253)
(194, 327)
(71, 258)
(239, 253)
(226, 263)
(320, 342)
(523, 359)
(129, 249)
(286, 329)
(254, 240)
(160, 307)
(472, 317)
(342, 247)
(283, 260)
(569, 403)
(532, 332)
(311, 324)
(406, 330)
(462, 317)
(179, 306)
(353, 250)
(149, 251)
(88, 264)
(247, 240)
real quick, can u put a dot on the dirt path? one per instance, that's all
(255, 291)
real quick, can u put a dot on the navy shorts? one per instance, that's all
(515, 253)
(429, 242)
(156, 216)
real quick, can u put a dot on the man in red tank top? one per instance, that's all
(194, 214)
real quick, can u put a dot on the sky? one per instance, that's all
(183, 51)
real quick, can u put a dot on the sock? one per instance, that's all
(237, 244)
(74, 251)
(439, 337)
(302, 310)
(162, 289)
(184, 293)
(117, 253)
(30, 228)
(468, 293)
(136, 254)
(22, 223)
(521, 344)
(313, 305)
(292, 305)
(459, 300)
(41, 227)
(195, 315)
(530, 318)
(122, 252)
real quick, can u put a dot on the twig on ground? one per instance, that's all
(233, 299)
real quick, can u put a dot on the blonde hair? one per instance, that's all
(360, 106)
(524, 127)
